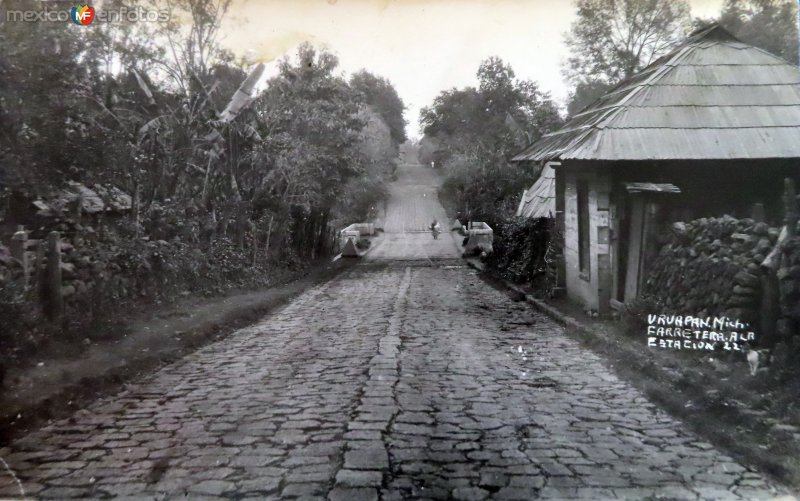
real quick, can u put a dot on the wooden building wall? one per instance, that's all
(591, 288)
(709, 188)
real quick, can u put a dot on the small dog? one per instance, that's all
(755, 358)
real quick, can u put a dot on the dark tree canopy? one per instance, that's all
(501, 109)
(768, 24)
(612, 39)
(472, 133)
(138, 105)
(311, 125)
(381, 95)
(453, 112)
(585, 93)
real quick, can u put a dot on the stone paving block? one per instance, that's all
(363, 435)
(353, 494)
(372, 458)
(300, 477)
(304, 489)
(395, 399)
(515, 494)
(294, 461)
(594, 493)
(366, 444)
(530, 482)
(359, 478)
(470, 494)
(213, 487)
(555, 469)
(563, 481)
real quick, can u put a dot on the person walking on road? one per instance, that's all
(435, 229)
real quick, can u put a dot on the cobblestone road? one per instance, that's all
(412, 207)
(390, 382)
(397, 380)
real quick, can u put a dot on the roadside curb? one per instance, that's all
(77, 395)
(624, 361)
(583, 332)
(540, 305)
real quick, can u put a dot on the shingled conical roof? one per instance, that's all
(713, 97)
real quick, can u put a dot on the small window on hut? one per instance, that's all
(583, 228)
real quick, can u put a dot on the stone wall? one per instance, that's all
(711, 266)
(106, 275)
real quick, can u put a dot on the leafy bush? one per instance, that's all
(361, 200)
(17, 318)
(523, 251)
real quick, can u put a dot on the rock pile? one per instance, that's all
(711, 266)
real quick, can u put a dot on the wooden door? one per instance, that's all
(634, 246)
(620, 218)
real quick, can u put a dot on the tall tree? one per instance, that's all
(48, 102)
(382, 96)
(477, 129)
(377, 146)
(612, 39)
(192, 48)
(311, 124)
(502, 114)
(769, 24)
(585, 93)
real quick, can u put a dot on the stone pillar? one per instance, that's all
(787, 326)
(770, 311)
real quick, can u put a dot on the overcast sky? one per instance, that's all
(421, 46)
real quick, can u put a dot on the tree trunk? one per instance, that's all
(137, 208)
(323, 233)
(55, 301)
(269, 234)
(255, 244)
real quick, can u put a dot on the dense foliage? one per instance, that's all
(477, 130)
(383, 98)
(230, 188)
(84, 105)
(769, 24)
(526, 252)
(612, 39)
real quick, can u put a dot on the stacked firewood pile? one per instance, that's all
(711, 266)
